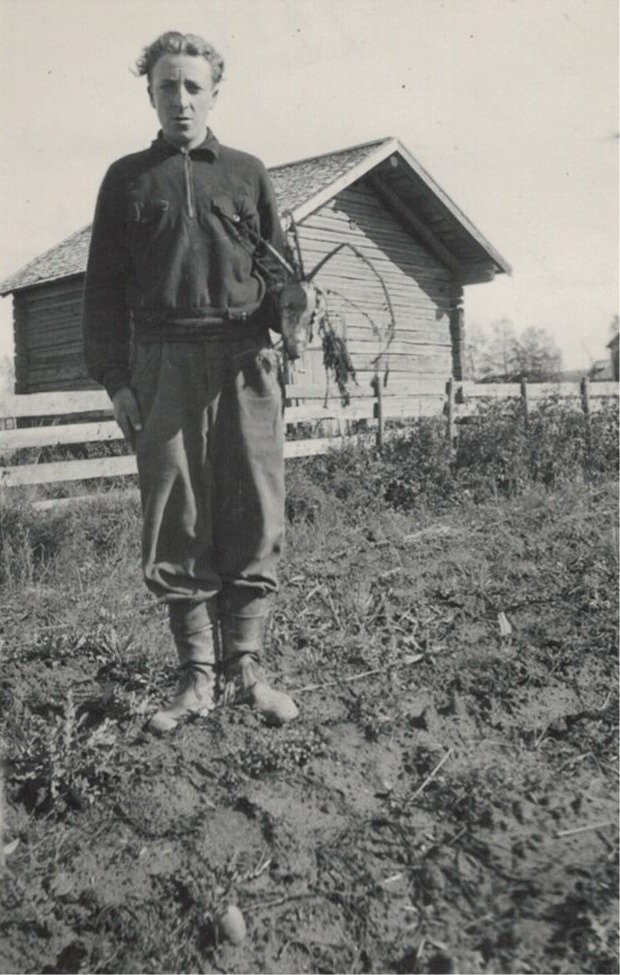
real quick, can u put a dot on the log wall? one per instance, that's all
(48, 338)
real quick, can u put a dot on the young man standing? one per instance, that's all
(176, 319)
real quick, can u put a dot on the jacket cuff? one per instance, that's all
(115, 379)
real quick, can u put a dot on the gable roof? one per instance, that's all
(305, 185)
(300, 182)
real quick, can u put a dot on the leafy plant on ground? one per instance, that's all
(294, 751)
(496, 456)
(62, 761)
(498, 453)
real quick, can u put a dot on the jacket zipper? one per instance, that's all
(189, 187)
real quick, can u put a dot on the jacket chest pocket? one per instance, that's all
(146, 219)
(238, 215)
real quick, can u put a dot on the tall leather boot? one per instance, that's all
(192, 626)
(245, 683)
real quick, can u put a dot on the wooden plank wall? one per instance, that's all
(48, 338)
(420, 289)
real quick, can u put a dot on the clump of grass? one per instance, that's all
(306, 501)
(32, 541)
(27, 543)
(347, 476)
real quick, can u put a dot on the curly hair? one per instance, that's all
(173, 42)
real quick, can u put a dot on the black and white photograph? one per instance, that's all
(309, 450)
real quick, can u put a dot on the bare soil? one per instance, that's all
(446, 803)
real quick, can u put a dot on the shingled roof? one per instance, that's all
(302, 187)
(67, 258)
(297, 182)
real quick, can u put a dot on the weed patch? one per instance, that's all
(61, 762)
(496, 456)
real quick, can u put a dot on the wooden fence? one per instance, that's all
(315, 420)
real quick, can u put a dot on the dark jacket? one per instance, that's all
(173, 250)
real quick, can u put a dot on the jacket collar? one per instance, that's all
(209, 145)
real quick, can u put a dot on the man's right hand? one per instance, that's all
(127, 413)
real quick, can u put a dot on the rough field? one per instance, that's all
(447, 802)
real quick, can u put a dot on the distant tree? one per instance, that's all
(502, 354)
(614, 326)
(535, 356)
(473, 351)
(487, 351)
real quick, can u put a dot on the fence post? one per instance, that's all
(525, 403)
(376, 385)
(450, 413)
(585, 405)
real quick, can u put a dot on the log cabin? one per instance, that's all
(377, 197)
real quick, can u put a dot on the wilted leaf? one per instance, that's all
(10, 847)
(505, 629)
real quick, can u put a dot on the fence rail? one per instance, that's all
(62, 419)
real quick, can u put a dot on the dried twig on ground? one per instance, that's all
(584, 829)
(365, 673)
(432, 775)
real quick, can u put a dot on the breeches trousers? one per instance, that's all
(211, 470)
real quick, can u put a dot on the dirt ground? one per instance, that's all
(447, 801)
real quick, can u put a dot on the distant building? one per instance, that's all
(602, 371)
(572, 375)
(613, 353)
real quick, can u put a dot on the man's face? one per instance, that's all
(182, 93)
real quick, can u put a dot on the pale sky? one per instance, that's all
(511, 105)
